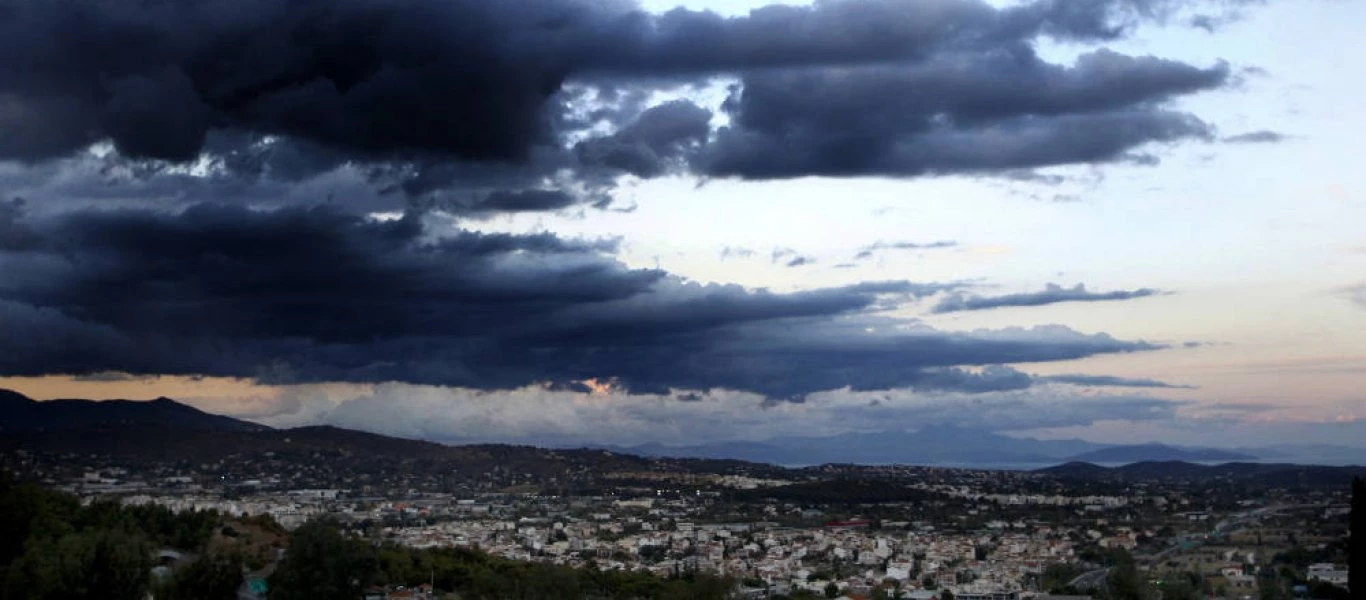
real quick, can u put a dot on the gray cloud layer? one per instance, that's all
(870, 250)
(978, 112)
(1256, 137)
(315, 294)
(1051, 294)
(543, 416)
(1111, 381)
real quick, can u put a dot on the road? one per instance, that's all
(1090, 580)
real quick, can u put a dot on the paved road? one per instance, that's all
(1090, 579)
(1228, 525)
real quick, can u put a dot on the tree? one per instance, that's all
(1356, 549)
(1179, 589)
(97, 563)
(1123, 582)
(1057, 576)
(323, 564)
(215, 577)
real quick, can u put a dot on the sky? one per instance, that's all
(569, 222)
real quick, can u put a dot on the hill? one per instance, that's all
(1157, 453)
(72, 436)
(1259, 474)
(1075, 470)
(19, 413)
(951, 446)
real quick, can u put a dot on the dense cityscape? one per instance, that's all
(830, 531)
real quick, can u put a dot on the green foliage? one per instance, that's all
(52, 547)
(1057, 576)
(323, 564)
(1179, 589)
(1109, 557)
(94, 563)
(26, 508)
(1123, 582)
(186, 530)
(1328, 591)
(204, 578)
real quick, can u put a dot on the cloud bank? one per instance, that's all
(1051, 294)
(1111, 381)
(542, 416)
(316, 294)
(475, 106)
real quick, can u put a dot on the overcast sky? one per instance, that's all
(571, 222)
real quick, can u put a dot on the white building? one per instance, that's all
(1329, 572)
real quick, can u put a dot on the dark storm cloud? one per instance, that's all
(646, 147)
(869, 251)
(1051, 294)
(990, 111)
(316, 294)
(373, 78)
(443, 92)
(15, 235)
(1111, 381)
(506, 201)
(1256, 137)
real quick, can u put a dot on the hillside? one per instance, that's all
(19, 413)
(1261, 474)
(163, 434)
(930, 446)
(1157, 453)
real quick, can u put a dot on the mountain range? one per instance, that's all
(943, 446)
(937, 446)
(1265, 474)
(18, 413)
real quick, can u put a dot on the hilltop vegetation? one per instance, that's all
(51, 546)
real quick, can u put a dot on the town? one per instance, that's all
(832, 531)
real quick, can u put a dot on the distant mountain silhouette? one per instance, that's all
(1076, 470)
(19, 413)
(329, 456)
(162, 431)
(942, 446)
(1319, 454)
(1157, 453)
(930, 446)
(1273, 474)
